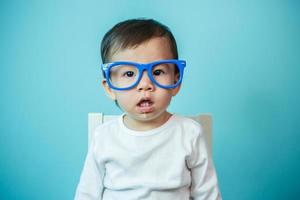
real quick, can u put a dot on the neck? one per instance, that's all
(145, 125)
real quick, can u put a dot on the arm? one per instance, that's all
(204, 179)
(90, 186)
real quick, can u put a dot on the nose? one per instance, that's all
(145, 83)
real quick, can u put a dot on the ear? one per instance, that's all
(176, 90)
(110, 93)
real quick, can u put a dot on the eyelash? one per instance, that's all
(126, 73)
(158, 70)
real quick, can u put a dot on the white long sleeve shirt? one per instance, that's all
(166, 163)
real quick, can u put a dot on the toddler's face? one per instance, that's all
(146, 102)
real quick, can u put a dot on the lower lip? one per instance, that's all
(145, 109)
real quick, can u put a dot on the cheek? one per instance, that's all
(124, 100)
(165, 97)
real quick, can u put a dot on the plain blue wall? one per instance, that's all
(242, 66)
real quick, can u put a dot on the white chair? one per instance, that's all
(95, 119)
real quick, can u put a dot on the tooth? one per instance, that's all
(146, 103)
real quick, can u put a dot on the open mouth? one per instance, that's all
(145, 105)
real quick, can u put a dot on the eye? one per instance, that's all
(158, 72)
(129, 74)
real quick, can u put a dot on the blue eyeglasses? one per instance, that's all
(126, 75)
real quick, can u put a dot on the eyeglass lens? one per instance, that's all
(123, 76)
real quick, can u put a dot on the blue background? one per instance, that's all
(242, 66)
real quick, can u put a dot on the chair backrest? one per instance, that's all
(95, 119)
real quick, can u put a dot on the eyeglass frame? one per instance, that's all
(181, 64)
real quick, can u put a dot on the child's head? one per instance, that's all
(133, 32)
(141, 70)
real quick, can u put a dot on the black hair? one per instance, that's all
(133, 32)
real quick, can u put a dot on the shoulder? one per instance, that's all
(191, 133)
(106, 128)
(188, 125)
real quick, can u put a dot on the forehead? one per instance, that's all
(157, 48)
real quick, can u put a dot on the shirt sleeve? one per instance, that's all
(204, 179)
(90, 186)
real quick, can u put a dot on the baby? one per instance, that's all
(147, 152)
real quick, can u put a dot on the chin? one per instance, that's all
(149, 116)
